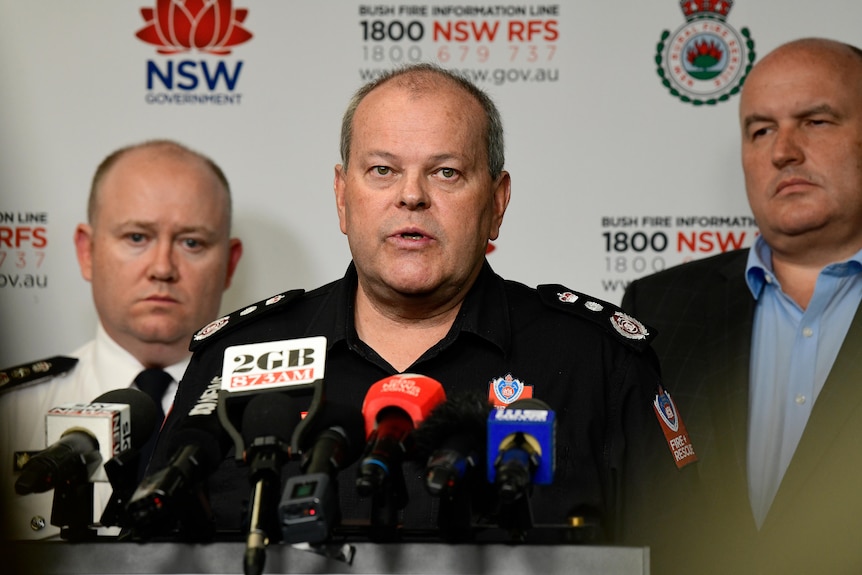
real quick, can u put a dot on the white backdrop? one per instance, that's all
(614, 174)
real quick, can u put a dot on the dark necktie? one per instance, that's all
(154, 382)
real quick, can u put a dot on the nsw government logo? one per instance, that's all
(705, 61)
(209, 28)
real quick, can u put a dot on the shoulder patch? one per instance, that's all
(610, 317)
(224, 324)
(35, 372)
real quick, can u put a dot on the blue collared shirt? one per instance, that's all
(792, 352)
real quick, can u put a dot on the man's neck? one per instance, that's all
(401, 334)
(797, 266)
(154, 354)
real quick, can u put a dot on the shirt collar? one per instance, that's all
(759, 272)
(112, 363)
(758, 269)
(484, 313)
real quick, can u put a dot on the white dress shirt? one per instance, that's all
(102, 366)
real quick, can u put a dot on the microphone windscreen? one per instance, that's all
(461, 415)
(270, 414)
(351, 422)
(142, 410)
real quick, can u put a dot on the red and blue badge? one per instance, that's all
(507, 389)
(674, 429)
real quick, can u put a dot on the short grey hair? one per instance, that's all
(416, 77)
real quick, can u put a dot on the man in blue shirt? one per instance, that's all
(759, 347)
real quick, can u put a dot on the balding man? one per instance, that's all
(761, 347)
(158, 254)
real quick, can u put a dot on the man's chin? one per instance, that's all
(163, 333)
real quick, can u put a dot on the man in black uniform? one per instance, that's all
(419, 194)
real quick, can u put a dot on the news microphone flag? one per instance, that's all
(109, 423)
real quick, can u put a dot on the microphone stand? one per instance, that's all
(256, 541)
(387, 500)
(122, 472)
(72, 511)
(72, 507)
(268, 455)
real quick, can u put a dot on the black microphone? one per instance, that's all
(450, 444)
(175, 493)
(309, 502)
(268, 423)
(87, 434)
(124, 469)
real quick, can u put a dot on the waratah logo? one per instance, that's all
(706, 60)
(210, 26)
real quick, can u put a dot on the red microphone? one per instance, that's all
(393, 408)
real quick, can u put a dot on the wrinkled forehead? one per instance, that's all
(825, 66)
(798, 79)
(396, 108)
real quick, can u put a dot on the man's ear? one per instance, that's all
(339, 185)
(84, 250)
(234, 253)
(502, 193)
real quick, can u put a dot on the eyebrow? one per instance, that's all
(151, 226)
(391, 157)
(805, 113)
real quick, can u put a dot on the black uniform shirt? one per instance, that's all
(599, 382)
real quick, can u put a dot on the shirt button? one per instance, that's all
(807, 332)
(768, 278)
(800, 399)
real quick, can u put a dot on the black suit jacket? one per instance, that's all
(703, 313)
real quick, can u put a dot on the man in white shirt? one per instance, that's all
(158, 254)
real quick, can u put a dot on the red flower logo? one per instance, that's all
(211, 26)
(704, 54)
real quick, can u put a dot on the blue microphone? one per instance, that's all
(521, 447)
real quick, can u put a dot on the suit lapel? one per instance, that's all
(729, 316)
(732, 313)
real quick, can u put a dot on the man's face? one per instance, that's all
(418, 204)
(158, 253)
(801, 118)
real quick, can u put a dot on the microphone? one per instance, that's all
(393, 407)
(309, 502)
(175, 491)
(450, 440)
(520, 454)
(124, 469)
(267, 425)
(450, 443)
(81, 436)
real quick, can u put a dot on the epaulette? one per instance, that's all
(224, 324)
(35, 372)
(611, 318)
